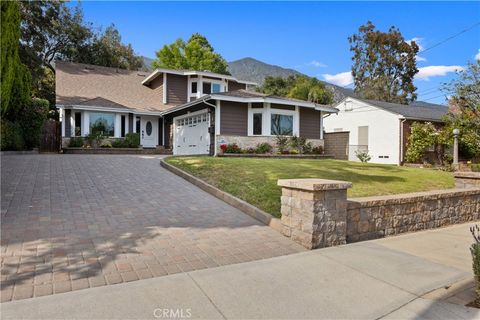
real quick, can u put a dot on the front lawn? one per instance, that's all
(255, 180)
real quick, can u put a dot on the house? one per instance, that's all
(382, 128)
(190, 112)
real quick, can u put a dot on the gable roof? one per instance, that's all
(250, 96)
(417, 110)
(160, 71)
(81, 84)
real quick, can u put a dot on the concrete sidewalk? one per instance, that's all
(386, 278)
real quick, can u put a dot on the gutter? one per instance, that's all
(216, 124)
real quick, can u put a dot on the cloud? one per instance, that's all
(477, 56)
(418, 41)
(317, 64)
(424, 73)
(341, 79)
(418, 58)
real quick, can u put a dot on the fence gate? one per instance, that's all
(50, 138)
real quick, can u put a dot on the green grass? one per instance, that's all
(255, 180)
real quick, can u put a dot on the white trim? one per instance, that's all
(62, 119)
(321, 125)
(85, 123)
(117, 125)
(186, 115)
(267, 112)
(95, 108)
(72, 124)
(217, 118)
(156, 72)
(164, 88)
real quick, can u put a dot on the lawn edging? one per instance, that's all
(235, 202)
(275, 156)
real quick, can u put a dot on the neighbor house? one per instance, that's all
(381, 128)
(190, 112)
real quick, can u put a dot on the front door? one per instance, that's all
(149, 132)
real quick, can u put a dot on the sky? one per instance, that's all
(310, 37)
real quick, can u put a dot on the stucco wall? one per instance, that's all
(383, 130)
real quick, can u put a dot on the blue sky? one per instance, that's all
(308, 36)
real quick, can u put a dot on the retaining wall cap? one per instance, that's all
(475, 175)
(314, 184)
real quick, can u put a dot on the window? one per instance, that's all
(257, 124)
(281, 125)
(78, 124)
(102, 123)
(207, 88)
(194, 87)
(137, 125)
(122, 132)
(215, 88)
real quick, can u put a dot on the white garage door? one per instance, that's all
(191, 134)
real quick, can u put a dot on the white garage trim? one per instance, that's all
(189, 132)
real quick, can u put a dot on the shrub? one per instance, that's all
(223, 147)
(363, 156)
(132, 140)
(475, 167)
(264, 148)
(475, 251)
(299, 144)
(232, 148)
(75, 142)
(315, 150)
(282, 143)
(118, 143)
(94, 139)
(106, 144)
(31, 118)
(250, 150)
(11, 136)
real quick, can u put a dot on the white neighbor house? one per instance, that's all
(381, 128)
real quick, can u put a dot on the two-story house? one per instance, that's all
(190, 112)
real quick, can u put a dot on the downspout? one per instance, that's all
(214, 134)
(401, 140)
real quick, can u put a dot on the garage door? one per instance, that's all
(191, 134)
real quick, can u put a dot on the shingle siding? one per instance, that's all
(234, 118)
(309, 123)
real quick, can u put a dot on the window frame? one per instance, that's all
(266, 112)
(113, 115)
(272, 114)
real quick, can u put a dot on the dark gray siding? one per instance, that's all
(176, 89)
(234, 118)
(232, 86)
(130, 123)
(309, 123)
(157, 85)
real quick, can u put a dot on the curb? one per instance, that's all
(235, 202)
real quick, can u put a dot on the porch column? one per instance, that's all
(85, 123)
(118, 125)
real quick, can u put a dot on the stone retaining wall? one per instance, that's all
(377, 217)
(316, 212)
(251, 142)
(467, 179)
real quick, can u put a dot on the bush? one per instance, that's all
(233, 148)
(317, 150)
(132, 140)
(250, 150)
(94, 139)
(11, 136)
(75, 142)
(263, 148)
(475, 167)
(106, 144)
(475, 251)
(299, 144)
(32, 117)
(363, 156)
(119, 143)
(282, 143)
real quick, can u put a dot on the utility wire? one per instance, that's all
(451, 37)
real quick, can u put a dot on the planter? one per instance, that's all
(272, 155)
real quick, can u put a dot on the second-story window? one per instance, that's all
(216, 87)
(194, 87)
(207, 87)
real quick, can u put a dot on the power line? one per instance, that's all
(451, 37)
(442, 95)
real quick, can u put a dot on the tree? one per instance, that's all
(15, 77)
(384, 65)
(108, 50)
(195, 54)
(298, 87)
(464, 102)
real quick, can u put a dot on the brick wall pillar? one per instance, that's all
(467, 179)
(314, 211)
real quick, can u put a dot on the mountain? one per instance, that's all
(147, 63)
(250, 69)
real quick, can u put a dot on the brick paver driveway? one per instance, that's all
(71, 222)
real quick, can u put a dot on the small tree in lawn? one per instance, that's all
(363, 156)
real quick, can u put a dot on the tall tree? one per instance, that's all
(15, 77)
(195, 54)
(464, 102)
(106, 49)
(384, 64)
(298, 87)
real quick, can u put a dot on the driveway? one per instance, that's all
(72, 222)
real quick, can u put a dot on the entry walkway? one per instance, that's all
(387, 278)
